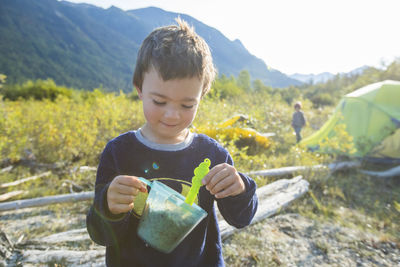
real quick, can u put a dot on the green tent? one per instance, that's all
(366, 123)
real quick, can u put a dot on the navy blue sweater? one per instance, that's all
(132, 154)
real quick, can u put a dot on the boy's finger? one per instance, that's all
(219, 183)
(131, 181)
(232, 190)
(221, 175)
(127, 190)
(209, 176)
(126, 199)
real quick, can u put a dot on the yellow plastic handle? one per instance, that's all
(199, 173)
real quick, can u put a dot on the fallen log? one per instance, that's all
(89, 195)
(42, 201)
(9, 195)
(285, 170)
(333, 167)
(6, 169)
(86, 168)
(31, 162)
(25, 180)
(271, 199)
(383, 174)
(68, 257)
(68, 236)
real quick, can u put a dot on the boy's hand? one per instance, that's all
(122, 193)
(223, 180)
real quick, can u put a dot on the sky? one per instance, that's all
(297, 36)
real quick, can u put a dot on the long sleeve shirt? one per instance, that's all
(173, 165)
(298, 119)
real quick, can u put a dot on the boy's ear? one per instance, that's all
(139, 91)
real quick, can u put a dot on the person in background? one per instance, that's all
(174, 70)
(298, 121)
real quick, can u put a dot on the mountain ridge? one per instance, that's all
(325, 76)
(85, 46)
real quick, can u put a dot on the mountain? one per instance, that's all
(314, 78)
(358, 71)
(84, 46)
(325, 76)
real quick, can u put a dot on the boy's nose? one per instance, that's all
(171, 113)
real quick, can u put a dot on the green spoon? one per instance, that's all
(199, 173)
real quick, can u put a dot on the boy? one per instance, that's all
(298, 121)
(173, 71)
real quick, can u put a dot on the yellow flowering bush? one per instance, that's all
(66, 129)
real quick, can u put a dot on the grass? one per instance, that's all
(346, 198)
(354, 200)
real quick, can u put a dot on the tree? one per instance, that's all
(224, 87)
(323, 99)
(259, 86)
(392, 71)
(243, 80)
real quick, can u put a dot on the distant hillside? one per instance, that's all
(83, 46)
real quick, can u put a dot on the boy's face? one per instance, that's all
(169, 106)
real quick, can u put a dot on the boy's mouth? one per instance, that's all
(169, 124)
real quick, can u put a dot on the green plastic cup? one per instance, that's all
(166, 219)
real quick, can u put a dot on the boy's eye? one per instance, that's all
(188, 106)
(158, 103)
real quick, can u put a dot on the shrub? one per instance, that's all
(38, 90)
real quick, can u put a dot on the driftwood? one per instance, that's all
(89, 195)
(73, 187)
(69, 257)
(86, 168)
(9, 195)
(289, 170)
(42, 201)
(31, 162)
(71, 235)
(25, 180)
(6, 169)
(383, 174)
(272, 198)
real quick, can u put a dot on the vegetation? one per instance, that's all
(43, 123)
(329, 93)
(38, 90)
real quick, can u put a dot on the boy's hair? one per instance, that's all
(297, 105)
(175, 52)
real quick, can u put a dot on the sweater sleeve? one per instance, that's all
(304, 118)
(103, 227)
(239, 210)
